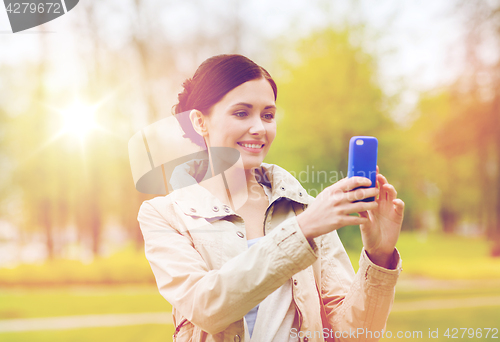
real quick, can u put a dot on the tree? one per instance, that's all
(328, 93)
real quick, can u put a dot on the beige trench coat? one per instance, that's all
(197, 249)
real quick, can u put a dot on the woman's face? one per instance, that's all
(244, 119)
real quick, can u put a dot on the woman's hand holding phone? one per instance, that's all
(332, 208)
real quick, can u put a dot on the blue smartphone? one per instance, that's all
(363, 160)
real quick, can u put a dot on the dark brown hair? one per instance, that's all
(217, 76)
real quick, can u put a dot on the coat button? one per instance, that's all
(193, 210)
(295, 282)
(226, 208)
(300, 194)
(240, 234)
(306, 339)
(215, 208)
(282, 188)
(237, 338)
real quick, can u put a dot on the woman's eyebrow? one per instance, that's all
(248, 105)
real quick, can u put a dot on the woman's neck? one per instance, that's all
(232, 187)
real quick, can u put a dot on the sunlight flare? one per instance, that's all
(79, 119)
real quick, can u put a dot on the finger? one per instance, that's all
(377, 183)
(353, 220)
(383, 190)
(399, 206)
(358, 207)
(360, 194)
(380, 183)
(382, 180)
(392, 194)
(348, 184)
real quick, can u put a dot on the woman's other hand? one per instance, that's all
(381, 230)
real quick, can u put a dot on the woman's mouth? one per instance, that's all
(252, 147)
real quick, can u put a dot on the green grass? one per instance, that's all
(402, 296)
(135, 333)
(487, 317)
(127, 266)
(442, 256)
(26, 303)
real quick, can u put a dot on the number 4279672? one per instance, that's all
(471, 333)
(34, 7)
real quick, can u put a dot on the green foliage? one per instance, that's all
(329, 94)
(454, 175)
(351, 238)
(326, 97)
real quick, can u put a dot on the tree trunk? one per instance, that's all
(496, 213)
(449, 219)
(46, 222)
(96, 227)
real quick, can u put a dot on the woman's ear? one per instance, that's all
(198, 121)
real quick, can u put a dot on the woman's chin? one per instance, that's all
(252, 163)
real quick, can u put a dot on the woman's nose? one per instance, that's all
(257, 126)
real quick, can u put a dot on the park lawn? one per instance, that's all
(126, 266)
(443, 256)
(128, 299)
(403, 295)
(134, 333)
(48, 302)
(430, 320)
(407, 322)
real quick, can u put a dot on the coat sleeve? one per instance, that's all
(213, 299)
(357, 305)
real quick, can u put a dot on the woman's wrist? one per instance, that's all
(383, 259)
(308, 233)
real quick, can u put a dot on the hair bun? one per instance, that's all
(187, 84)
(184, 95)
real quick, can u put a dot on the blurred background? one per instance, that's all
(422, 76)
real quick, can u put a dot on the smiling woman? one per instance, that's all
(272, 267)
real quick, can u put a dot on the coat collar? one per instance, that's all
(194, 200)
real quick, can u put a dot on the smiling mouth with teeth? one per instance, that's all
(251, 145)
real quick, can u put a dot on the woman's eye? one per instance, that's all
(240, 114)
(268, 116)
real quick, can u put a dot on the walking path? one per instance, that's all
(114, 320)
(84, 321)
